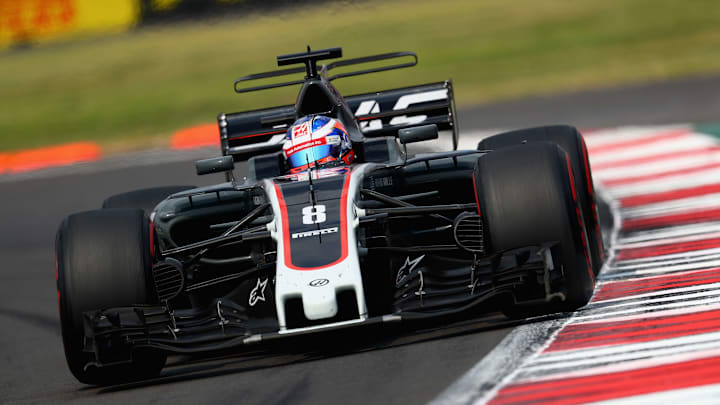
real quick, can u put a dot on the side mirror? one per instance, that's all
(418, 134)
(215, 165)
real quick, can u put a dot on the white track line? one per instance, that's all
(672, 183)
(650, 300)
(650, 315)
(623, 363)
(614, 135)
(680, 205)
(655, 167)
(679, 258)
(668, 291)
(656, 148)
(701, 395)
(670, 232)
(592, 357)
(600, 353)
(604, 315)
(665, 269)
(691, 237)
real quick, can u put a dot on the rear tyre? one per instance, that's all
(103, 260)
(145, 199)
(525, 196)
(570, 140)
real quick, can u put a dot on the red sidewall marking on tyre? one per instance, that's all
(477, 201)
(593, 207)
(578, 214)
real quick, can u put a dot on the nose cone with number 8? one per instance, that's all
(314, 234)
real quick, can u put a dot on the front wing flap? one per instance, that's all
(113, 333)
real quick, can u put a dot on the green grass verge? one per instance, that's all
(128, 90)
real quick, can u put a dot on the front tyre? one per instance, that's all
(103, 260)
(570, 140)
(526, 197)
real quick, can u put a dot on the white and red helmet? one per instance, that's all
(317, 139)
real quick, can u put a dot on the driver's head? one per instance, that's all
(316, 139)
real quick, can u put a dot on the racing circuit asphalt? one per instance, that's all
(384, 367)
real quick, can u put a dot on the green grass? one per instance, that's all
(132, 89)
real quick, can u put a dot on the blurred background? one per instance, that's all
(129, 73)
(122, 77)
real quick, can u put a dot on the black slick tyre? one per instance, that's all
(103, 260)
(571, 141)
(145, 199)
(526, 197)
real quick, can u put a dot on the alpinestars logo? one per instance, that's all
(315, 233)
(258, 293)
(406, 269)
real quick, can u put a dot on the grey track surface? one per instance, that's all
(692, 100)
(411, 367)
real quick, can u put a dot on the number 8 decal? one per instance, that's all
(314, 214)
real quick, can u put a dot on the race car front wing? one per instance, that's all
(113, 333)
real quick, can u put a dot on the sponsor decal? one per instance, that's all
(314, 214)
(324, 231)
(319, 282)
(404, 102)
(300, 147)
(258, 293)
(301, 130)
(386, 181)
(316, 174)
(406, 270)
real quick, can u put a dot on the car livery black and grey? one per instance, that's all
(392, 238)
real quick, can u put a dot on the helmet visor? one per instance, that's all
(306, 157)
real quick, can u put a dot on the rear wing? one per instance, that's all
(257, 132)
(384, 113)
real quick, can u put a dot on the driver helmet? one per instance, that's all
(317, 140)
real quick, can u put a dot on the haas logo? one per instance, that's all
(302, 130)
(404, 102)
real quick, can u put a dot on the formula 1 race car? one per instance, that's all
(334, 226)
